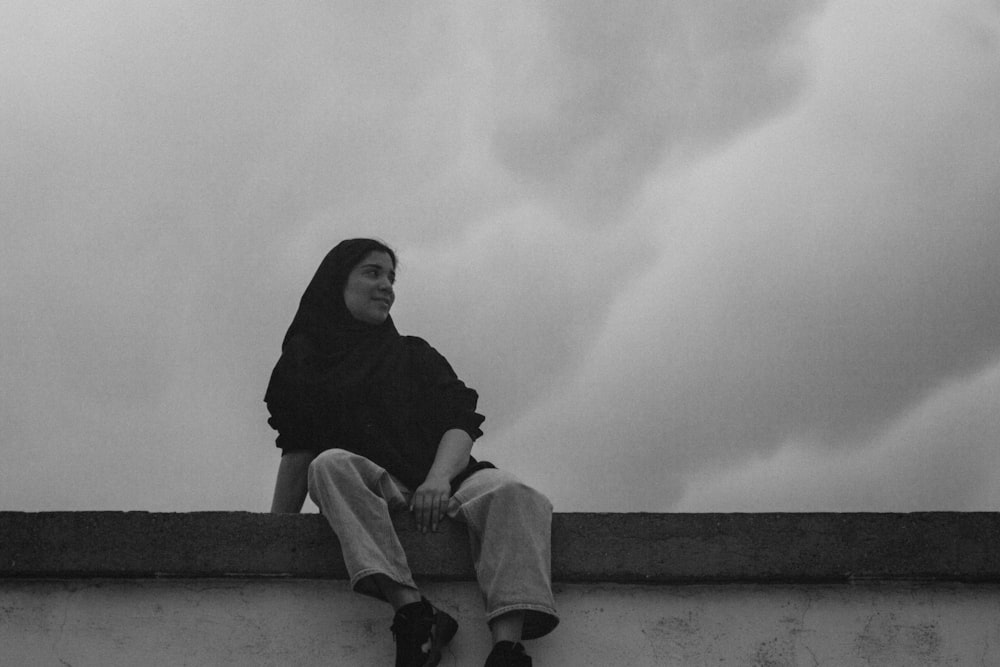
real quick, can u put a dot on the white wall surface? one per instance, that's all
(279, 622)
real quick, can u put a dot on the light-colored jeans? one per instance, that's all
(509, 527)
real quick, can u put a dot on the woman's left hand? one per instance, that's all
(430, 503)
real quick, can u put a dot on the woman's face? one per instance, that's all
(368, 293)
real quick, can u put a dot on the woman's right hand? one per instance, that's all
(429, 503)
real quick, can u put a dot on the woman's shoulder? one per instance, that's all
(425, 355)
(414, 341)
(418, 345)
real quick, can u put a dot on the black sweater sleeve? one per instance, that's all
(450, 404)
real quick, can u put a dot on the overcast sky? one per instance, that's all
(698, 255)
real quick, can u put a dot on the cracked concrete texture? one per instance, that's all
(251, 622)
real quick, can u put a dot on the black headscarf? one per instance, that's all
(327, 355)
(363, 387)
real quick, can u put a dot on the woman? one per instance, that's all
(369, 421)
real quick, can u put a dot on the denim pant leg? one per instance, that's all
(510, 526)
(355, 495)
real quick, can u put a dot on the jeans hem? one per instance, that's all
(402, 581)
(539, 619)
(524, 606)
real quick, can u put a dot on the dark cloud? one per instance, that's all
(833, 270)
(941, 455)
(629, 86)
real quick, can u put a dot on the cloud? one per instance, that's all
(940, 455)
(661, 242)
(614, 92)
(817, 277)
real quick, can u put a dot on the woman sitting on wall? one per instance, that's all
(369, 421)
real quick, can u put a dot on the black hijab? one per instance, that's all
(327, 356)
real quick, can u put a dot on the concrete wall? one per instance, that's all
(244, 589)
(283, 622)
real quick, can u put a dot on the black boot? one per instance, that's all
(421, 631)
(508, 654)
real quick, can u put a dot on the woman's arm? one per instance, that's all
(430, 500)
(291, 485)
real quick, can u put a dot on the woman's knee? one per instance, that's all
(336, 465)
(531, 495)
(330, 458)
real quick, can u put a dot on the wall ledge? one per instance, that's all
(636, 548)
